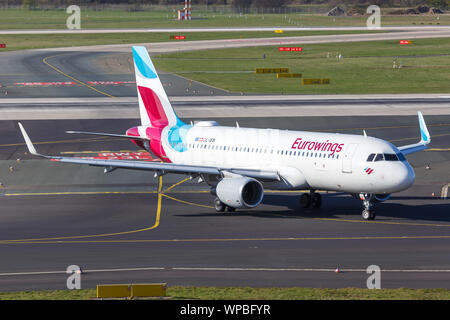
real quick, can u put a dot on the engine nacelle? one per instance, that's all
(375, 197)
(381, 197)
(240, 192)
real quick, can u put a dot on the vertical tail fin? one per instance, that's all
(154, 106)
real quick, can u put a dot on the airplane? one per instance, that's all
(240, 163)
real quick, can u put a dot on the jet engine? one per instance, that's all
(241, 192)
(381, 197)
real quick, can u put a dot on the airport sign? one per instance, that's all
(290, 49)
(172, 37)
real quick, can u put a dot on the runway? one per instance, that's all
(118, 228)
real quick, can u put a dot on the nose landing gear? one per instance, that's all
(368, 212)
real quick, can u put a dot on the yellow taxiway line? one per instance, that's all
(74, 79)
(155, 225)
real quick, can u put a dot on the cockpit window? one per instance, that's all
(379, 157)
(386, 157)
(390, 157)
(401, 157)
(370, 157)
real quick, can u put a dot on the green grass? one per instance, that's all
(37, 41)
(56, 19)
(366, 67)
(242, 293)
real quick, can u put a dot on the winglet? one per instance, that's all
(425, 138)
(28, 141)
(424, 134)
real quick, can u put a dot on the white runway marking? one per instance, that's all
(32, 273)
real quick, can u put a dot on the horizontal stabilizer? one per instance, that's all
(108, 135)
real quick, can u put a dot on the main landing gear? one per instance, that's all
(368, 212)
(221, 207)
(311, 200)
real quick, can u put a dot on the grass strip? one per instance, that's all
(244, 293)
(365, 67)
(106, 19)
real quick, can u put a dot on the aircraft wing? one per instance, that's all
(153, 166)
(424, 138)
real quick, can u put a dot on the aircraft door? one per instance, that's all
(347, 158)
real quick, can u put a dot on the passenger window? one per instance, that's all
(379, 157)
(370, 157)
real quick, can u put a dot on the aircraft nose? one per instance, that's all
(404, 177)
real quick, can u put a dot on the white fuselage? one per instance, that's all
(304, 160)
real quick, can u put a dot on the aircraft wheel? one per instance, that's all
(316, 200)
(219, 205)
(368, 214)
(230, 209)
(305, 200)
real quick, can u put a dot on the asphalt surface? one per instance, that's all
(117, 230)
(43, 74)
(161, 47)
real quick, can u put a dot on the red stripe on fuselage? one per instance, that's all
(154, 107)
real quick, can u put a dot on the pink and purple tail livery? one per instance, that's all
(154, 106)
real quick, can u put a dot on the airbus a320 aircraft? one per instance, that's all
(238, 163)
